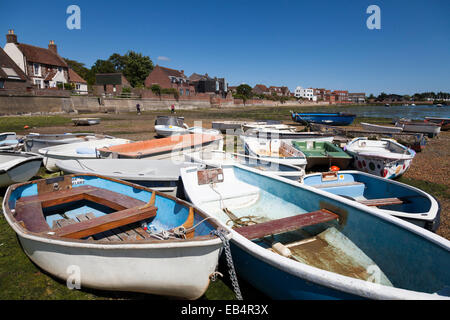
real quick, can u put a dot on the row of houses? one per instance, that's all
(24, 66)
(335, 96)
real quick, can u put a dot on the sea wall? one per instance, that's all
(19, 105)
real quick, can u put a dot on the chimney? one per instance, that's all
(11, 37)
(182, 71)
(52, 46)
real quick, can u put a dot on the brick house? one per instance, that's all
(261, 89)
(110, 83)
(11, 76)
(357, 97)
(280, 91)
(340, 95)
(44, 67)
(168, 78)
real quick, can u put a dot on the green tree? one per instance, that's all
(134, 66)
(78, 67)
(244, 92)
(156, 89)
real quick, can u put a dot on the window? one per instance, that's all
(2, 84)
(187, 92)
(37, 69)
(77, 86)
(37, 82)
(181, 92)
(59, 69)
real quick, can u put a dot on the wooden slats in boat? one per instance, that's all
(338, 184)
(381, 202)
(104, 223)
(264, 229)
(31, 215)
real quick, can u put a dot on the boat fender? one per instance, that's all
(282, 250)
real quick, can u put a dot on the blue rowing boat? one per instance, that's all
(293, 241)
(334, 119)
(386, 195)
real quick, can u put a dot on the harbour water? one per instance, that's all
(418, 112)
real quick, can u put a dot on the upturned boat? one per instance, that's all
(16, 166)
(78, 150)
(107, 234)
(172, 147)
(332, 119)
(431, 129)
(389, 196)
(323, 154)
(292, 241)
(379, 128)
(35, 141)
(385, 157)
(85, 121)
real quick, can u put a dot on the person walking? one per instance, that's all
(138, 109)
(172, 109)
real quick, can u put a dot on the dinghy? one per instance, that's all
(116, 235)
(161, 175)
(443, 122)
(277, 150)
(166, 130)
(323, 154)
(18, 167)
(332, 119)
(288, 134)
(219, 158)
(292, 241)
(85, 121)
(385, 157)
(378, 128)
(165, 148)
(202, 130)
(35, 141)
(431, 129)
(79, 150)
(223, 126)
(9, 141)
(389, 196)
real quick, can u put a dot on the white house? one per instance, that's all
(44, 67)
(305, 93)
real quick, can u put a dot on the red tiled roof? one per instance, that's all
(172, 72)
(41, 55)
(74, 77)
(50, 75)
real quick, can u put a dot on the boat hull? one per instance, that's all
(181, 272)
(430, 129)
(21, 172)
(333, 119)
(377, 128)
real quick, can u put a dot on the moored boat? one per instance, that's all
(292, 241)
(443, 122)
(163, 130)
(116, 235)
(323, 154)
(334, 119)
(10, 141)
(16, 166)
(170, 147)
(277, 150)
(385, 157)
(77, 150)
(389, 196)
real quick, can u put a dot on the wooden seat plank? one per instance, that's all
(113, 200)
(31, 215)
(282, 225)
(381, 202)
(105, 223)
(338, 184)
(58, 197)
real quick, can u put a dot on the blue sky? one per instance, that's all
(323, 44)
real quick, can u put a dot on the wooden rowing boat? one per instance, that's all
(116, 235)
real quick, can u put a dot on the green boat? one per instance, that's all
(323, 154)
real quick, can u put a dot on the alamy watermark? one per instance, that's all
(74, 20)
(374, 20)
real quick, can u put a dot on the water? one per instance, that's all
(418, 112)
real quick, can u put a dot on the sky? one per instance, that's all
(319, 44)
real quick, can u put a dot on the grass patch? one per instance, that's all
(18, 123)
(435, 189)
